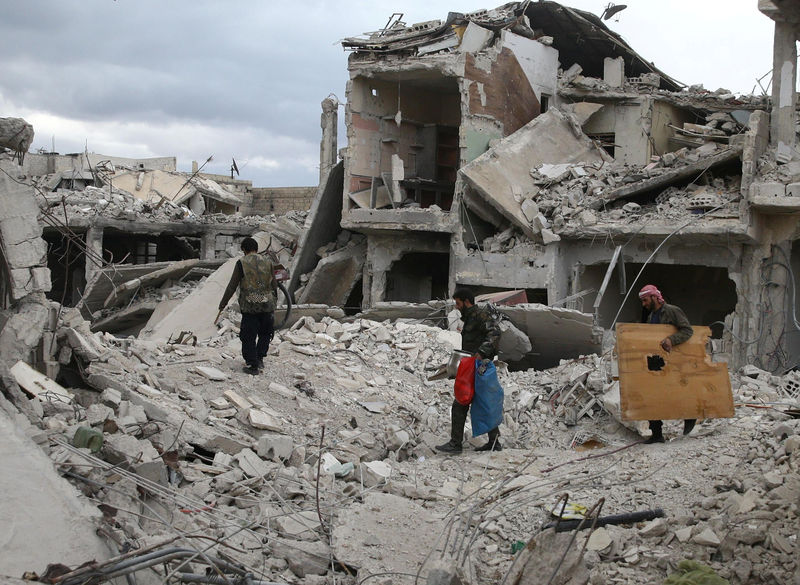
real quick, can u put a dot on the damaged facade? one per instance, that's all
(526, 152)
(529, 147)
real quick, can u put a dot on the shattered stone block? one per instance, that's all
(375, 473)
(793, 190)
(767, 190)
(111, 397)
(258, 419)
(252, 465)
(212, 374)
(275, 447)
(239, 401)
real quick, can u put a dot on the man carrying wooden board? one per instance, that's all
(666, 314)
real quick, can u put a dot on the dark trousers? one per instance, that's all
(458, 419)
(655, 426)
(255, 326)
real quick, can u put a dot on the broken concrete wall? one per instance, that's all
(555, 333)
(57, 527)
(24, 250)
(197, 312)
(503, 174)
(627, 126)
(490, 81)
(387, 114)
(528, 265)
(335, 276)
(384, 251)
(664, 115)
(323, 225)
(538, 61)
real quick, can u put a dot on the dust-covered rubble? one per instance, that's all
(324, 464)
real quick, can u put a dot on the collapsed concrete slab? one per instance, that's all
(505, 170)
(129, 277)
(196, 313)
(556, 333)
(335, 276)
(323, 225)
(24, 250)
(25, 544)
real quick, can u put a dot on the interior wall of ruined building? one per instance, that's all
(428, 107)
(412, 268)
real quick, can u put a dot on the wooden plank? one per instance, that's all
(688, 385)
(37, 384)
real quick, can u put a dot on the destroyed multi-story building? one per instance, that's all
(148, 456)
(529, 147)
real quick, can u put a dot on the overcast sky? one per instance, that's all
(244, 79)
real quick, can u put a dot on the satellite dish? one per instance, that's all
(612, 9)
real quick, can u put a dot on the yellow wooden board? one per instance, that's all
(686, 385)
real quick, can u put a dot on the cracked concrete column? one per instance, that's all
(94, 246)
(208, 243)
(784, 80)
(327, 146)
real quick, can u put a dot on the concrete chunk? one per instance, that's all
(252, 465)
(212, 374)
(258, 419)
(275, 447)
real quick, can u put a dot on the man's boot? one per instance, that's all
(494, 442)
(458, 418)
(688, 425)
(656, 437)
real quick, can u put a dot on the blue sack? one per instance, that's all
(486, 411)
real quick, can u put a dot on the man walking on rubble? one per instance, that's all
(254, 276)
(666, 314)
(480, 336)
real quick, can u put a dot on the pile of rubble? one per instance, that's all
(323, 467)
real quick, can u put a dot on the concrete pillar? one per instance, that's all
(614, 71)
(208, 246)
(94, 248)
(784, 80)
(327, 147)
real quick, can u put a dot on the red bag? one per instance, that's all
(464, 388)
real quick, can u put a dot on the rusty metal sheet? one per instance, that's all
(684, 383)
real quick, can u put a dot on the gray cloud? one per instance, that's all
(245, 78)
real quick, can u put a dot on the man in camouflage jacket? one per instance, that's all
(480, 336)
(254, 276)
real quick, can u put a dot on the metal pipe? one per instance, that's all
(217, 580)
(630, 518)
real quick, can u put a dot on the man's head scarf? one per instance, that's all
(648, 290)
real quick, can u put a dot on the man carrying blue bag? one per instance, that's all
(480, 336)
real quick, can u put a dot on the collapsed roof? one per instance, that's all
(580, 36)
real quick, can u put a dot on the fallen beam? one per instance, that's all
(668, 178)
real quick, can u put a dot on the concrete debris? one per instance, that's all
(473, 159)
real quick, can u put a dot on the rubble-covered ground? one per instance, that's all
(322, 469)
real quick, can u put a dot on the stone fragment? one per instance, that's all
(304, 558)
(656, 527)
(275, 447)
(258, 419)
(374, 473)
(111, 397)
(684, 534)
(301, 526)
(252, 465)
(235, 398)
(212, 374)
(600, 540)
(706, 538)
(219, 403)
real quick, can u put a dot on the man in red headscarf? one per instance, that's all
(666, 314)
